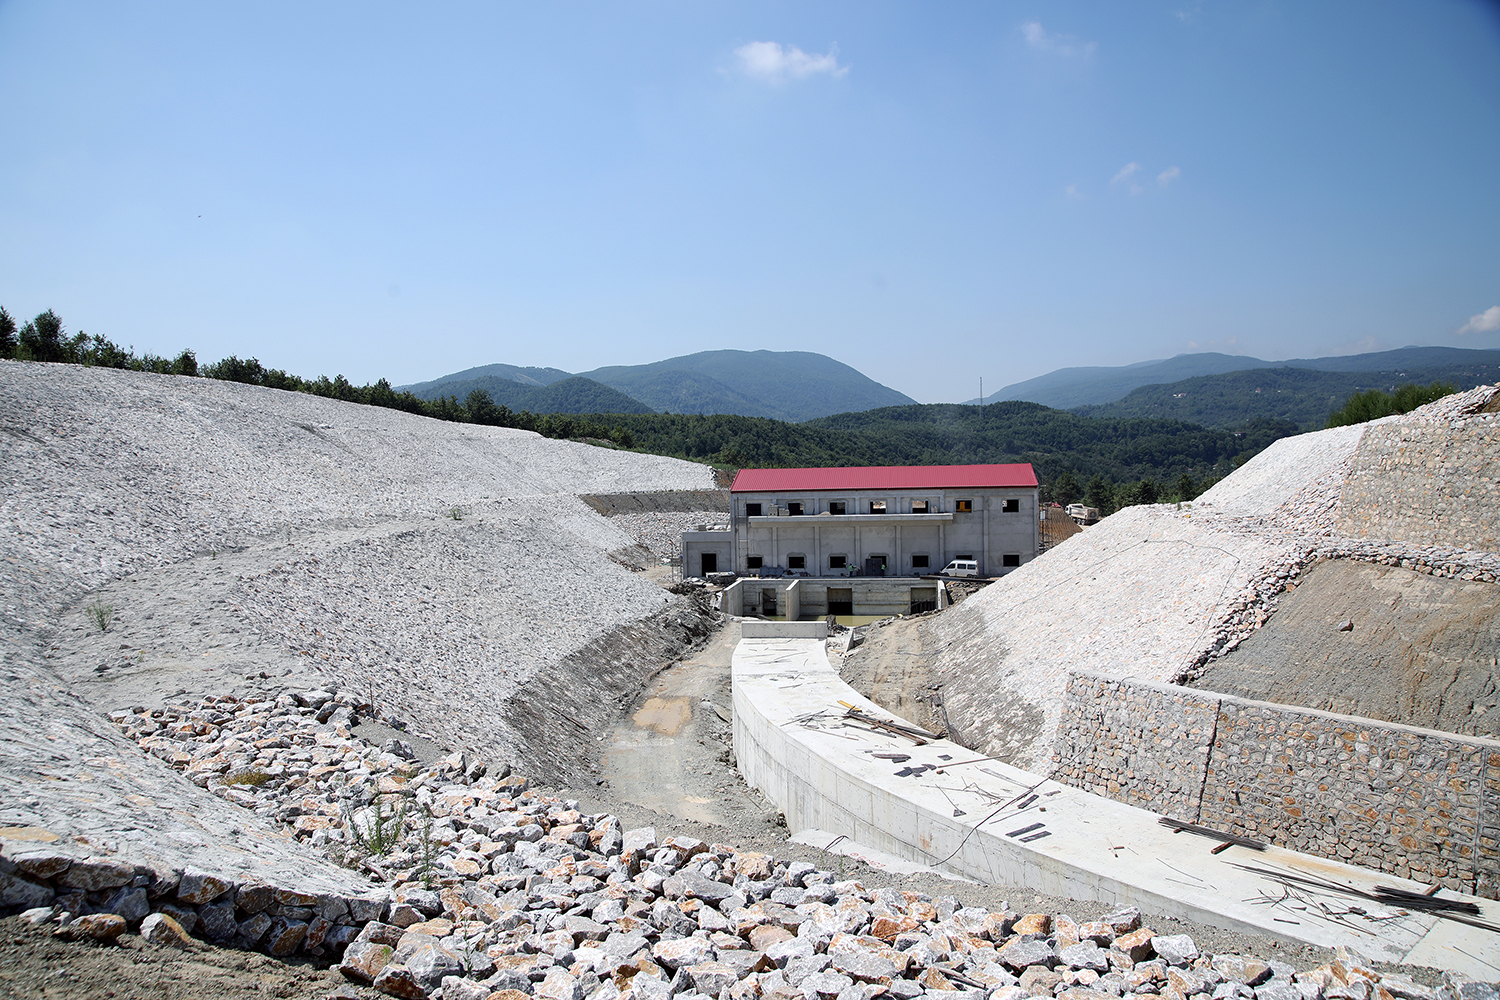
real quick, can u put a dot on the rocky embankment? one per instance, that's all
(1161, 592)
(494, 890)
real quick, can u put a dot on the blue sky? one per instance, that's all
(932, 193)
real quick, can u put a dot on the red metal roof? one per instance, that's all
(885, 477)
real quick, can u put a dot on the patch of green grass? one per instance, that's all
(101, 614)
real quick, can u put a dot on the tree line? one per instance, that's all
(1104, 462)
(44, 338)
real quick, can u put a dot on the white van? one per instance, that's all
(961, 567)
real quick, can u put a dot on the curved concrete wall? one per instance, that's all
(941, 806)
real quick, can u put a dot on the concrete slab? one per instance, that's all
(939, 804)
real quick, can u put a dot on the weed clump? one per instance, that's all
(101, 614)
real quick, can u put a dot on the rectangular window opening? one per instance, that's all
(753, 562)
(877, 506)
(752, 510)
(1012, 506)
(1011, 559)
(921, 507)
(838, 562)
(919, 562)
(836, 507)
(796, 562)
(794, 508)
(963, 506)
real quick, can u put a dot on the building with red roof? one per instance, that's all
(877, 521)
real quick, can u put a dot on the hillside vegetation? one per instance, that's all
(1303, 396)
(1107, 462)
(573, 394)
(780, 385)
(1070, 388)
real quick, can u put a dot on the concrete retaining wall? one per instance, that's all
(936, 804)
(1429, 483)
(1417, 803)
(805, 597)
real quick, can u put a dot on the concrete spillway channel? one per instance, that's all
(935, 804)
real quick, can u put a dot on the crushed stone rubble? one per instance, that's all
(497, 891)
(660, 532)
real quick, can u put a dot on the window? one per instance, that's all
(753, 562)
(963, 506)
(838, 562)
(794, 508)
(921, 507)
(836, 507)
(796, 562)
(877, 506)
(1011, 559)
(918, 562)
(752, 510)
(1012, 506)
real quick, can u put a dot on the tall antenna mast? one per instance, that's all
(981, 400)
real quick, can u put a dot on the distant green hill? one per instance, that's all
(782, 385)
(1069, 388)
(573, 394)
(511, 373)
(1301, 395)
(1054, 441)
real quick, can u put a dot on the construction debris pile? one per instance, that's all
(498, 891)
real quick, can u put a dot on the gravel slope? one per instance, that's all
(233, 531)
(1160, 592)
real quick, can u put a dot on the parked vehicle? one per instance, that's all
(960, 567)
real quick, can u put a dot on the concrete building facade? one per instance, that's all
(883, 521)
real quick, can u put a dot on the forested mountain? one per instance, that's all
(1054, 441)
(784, 385)
(1301, 395)
(511, 373)
(571, 394)
(1069, 388)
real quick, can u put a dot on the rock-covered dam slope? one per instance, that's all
(1167, 593)
(169, 536)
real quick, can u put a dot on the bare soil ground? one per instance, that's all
(34, 965)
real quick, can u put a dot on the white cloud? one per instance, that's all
(1485, 322)
(1125, 173)
(1064, 45)
(1072, 192)
(770, 61)
(1168, 175)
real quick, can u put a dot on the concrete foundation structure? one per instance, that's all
(798, 599)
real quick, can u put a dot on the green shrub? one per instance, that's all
(1375, 403)
(102, 615)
